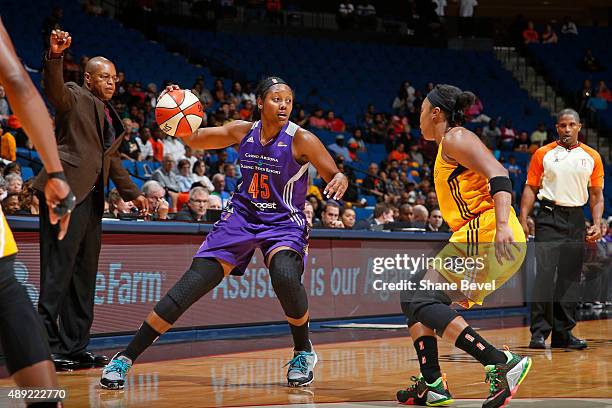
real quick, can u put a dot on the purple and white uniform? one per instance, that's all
(267, 211)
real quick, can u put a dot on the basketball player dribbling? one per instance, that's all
(266, 212)
(474, 193)
(23, 337)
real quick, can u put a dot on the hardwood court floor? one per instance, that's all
(359, 373)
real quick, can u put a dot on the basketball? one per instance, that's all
(179, 113)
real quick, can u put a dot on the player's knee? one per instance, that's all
(203, 275)
(286, 269)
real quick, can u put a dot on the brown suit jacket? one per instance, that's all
(79, 128)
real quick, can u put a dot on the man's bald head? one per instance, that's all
(101, 77)
(97, 63)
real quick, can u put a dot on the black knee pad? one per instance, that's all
(202, 277)
(430, 307)
(286, 269)
(23, 337)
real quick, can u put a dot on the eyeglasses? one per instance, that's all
(107, 78)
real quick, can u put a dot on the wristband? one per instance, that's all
(57, 175)
(499, 183)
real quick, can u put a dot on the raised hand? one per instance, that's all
(60, 41)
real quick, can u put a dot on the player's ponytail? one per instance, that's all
(452, 101)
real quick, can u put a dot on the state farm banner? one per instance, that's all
(136, 270)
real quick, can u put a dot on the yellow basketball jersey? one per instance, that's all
(8, 246)
(462, 193)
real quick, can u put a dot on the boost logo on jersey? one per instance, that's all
(264, 206)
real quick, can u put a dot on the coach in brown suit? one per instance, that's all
(88, 132)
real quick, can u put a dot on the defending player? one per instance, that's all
(474, 193)
(266, 212)
(23, 337)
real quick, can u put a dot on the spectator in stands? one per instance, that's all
(218, 182)
(129, 148)
(595, 104)
(248, 94)
(184, 179)
(583, 96)
(420, 216)
(530, 35)
(144, 141)
(317, 120)
(440, 6)
(416, 155)
(590, 63)
(219, 165)
(435, 221)
(347, 216)
(383, 214)
(301, 118)
(157, 144)
(231, 180)
(357, 139)
(28, 201)
(339, 149)
(8, 145)
(508, 136)
(549, 36)
(366, 15)
(569, 27)
(13, 167)
(474, 113)
(173, 147)
(235, 95)
(167, 179)
(491, 135)
(155, 193)
(539, 136)
(3, 192)
(214, 202)
(372, 184)
(399, 153)
(14, 183)
(522, 143)
(308, 213)
(199, 175)
(514, 170)
(196, 207)
(11, 205)
(466, 17)
(219, 91)
(4, 106)
(346, 15)
(117, 206)
(431, 200)
(330, 216)
(335, 124)
(603, 92)
(402, 102)
(190, 157)
(14, 126)
(203, 94)
(246, 112)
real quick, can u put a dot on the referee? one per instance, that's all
(563, 175)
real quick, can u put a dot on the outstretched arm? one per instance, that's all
(218, 137)
(308, 148)
(31, 111)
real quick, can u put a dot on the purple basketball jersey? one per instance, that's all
(274, 184)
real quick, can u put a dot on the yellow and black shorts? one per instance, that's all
(469, 258)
